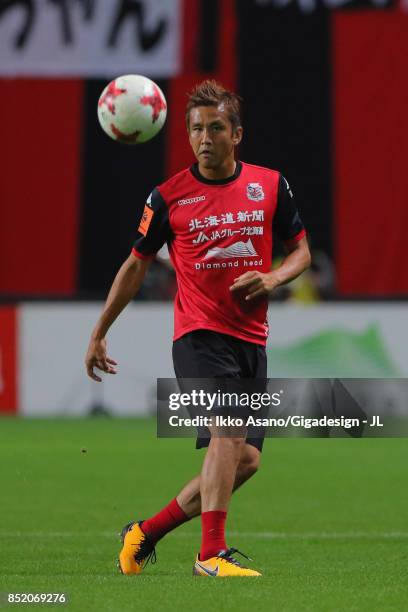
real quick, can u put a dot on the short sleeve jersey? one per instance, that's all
(217, 230)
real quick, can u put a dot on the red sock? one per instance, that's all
(213, 533)
(170, 517)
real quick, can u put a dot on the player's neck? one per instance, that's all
(214, 174)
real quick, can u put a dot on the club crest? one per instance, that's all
(255, 192)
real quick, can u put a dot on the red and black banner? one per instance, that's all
(324, 93)
(9, 343)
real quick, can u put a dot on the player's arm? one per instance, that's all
(125, 286)
(153, 232)
(290, 229)
(297, 260)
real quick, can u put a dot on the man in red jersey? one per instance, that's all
(217, 219)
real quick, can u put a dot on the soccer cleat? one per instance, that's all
(137, 550)
(223, 565)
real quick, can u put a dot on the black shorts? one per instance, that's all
(208, 354)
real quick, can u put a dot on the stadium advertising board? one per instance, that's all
(327, 341)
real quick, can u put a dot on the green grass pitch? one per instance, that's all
(324, 520)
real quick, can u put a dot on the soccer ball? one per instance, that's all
(132, 109)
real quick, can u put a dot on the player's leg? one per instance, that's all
(187, 504)
(216, 483)
(194, 356)
(215, 558)
(219, 471)
(189, 498)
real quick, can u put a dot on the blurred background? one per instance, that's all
(325, 91)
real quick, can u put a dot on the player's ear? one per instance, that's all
(237, 135)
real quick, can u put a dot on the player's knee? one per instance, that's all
(248, 469)
(249, 463)
(192, 499)
(229, 445)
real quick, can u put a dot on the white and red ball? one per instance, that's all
(132, 109)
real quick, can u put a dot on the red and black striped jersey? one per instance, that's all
(216, 231)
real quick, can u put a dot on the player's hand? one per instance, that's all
(255, 284)
(96, 358)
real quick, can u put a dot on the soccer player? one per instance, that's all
(217, 218)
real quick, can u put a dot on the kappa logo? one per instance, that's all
(191, 200)
(255, 192)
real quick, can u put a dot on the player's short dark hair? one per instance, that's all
(211, 93)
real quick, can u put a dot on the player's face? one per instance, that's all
(212, 137)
